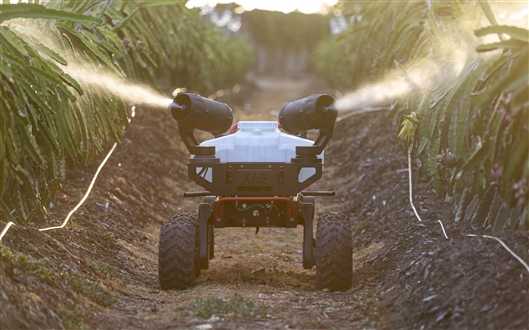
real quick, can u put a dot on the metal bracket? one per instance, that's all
(307, 213)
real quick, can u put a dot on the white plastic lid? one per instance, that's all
(252, 125)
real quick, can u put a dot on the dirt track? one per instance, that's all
(406, 274)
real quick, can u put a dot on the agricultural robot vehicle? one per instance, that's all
(255, 176)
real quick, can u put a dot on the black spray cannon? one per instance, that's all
(317, 111)
(194, 111)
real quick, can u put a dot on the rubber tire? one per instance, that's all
(177, 252)
(334, 253)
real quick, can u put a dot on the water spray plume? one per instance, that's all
(86, 74)
(443, 63)
(126, 91)
(373, 95)
(418, 77)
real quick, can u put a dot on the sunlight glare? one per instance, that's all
(304, 6)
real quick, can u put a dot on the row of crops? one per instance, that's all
(50, 122)
(466, 115)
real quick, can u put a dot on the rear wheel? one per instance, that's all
(334, 253)
(178, 247)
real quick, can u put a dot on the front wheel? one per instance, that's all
(177, 266)
(334, 253)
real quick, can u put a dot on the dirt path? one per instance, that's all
(101, 271)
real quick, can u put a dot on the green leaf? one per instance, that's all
(484, 206)
(92, 48)
(25, 33)
(462, 205)
(6, 68)
(464, 115)
(493, 211)
(453, 111)
(83, 6)
(479, 154)
(28, 140)
(38, 11)
(9, 37)
(485, 6)
(11, 58)
(155, 3)
(112, 43)
(126, 20)
(516, 77)
(502, 217)
(71, 82)
(63, 130)
(469, 212)
(516, 154)
(494, 130)
(66, 92)
(45, 75)
(499, 62)
(514, 32)
(462, 19)
(6, 212)
(45, 50)
(508, 44)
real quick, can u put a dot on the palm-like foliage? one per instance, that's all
(49, 122)
(470, 99)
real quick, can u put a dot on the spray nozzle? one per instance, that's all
(177, 107)
(331, 108)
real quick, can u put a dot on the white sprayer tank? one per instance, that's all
(260, 142)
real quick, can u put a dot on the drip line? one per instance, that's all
(411, 187)
(506, 248)
(9, 224)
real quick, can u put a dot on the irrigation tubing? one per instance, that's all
(443, 228)
(506, 248)
(469, 235)
(65, 222)
(411, 187)
(359, 112)
(353, 113)
(411, 196)
(79, 204)
(9, 224)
